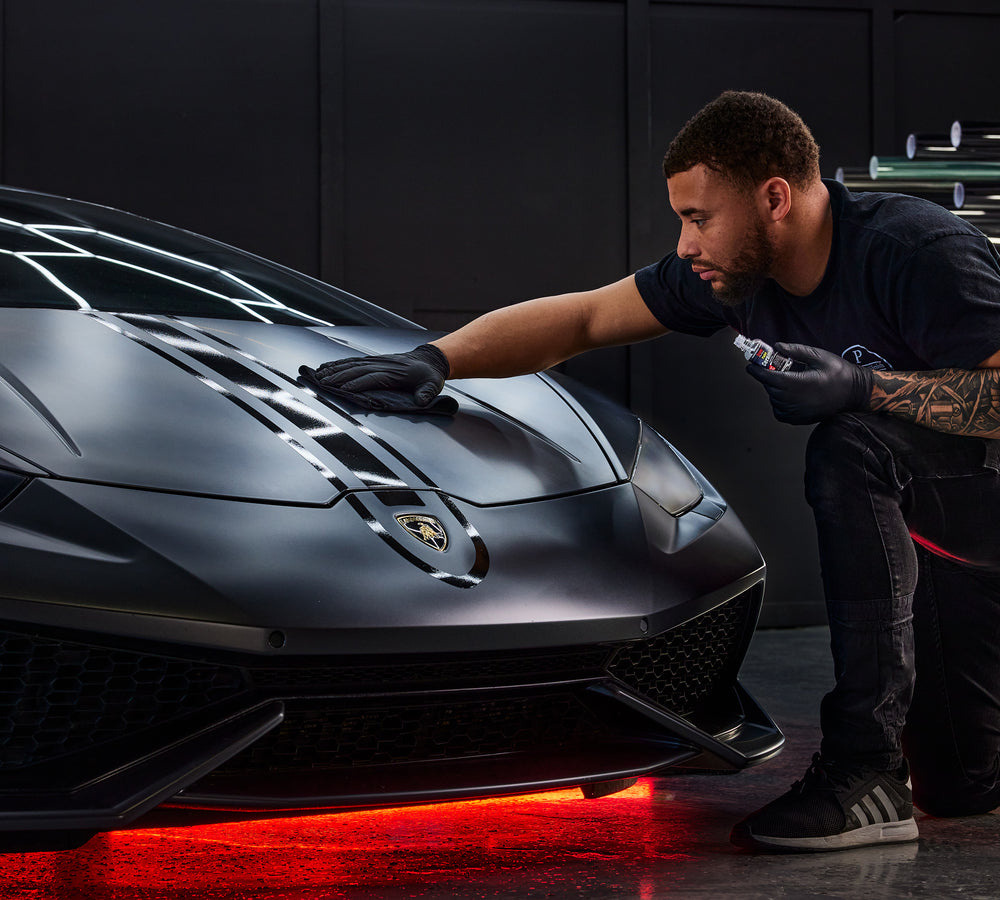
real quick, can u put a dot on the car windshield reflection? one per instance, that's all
(79, 267)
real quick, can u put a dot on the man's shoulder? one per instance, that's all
(914, 222)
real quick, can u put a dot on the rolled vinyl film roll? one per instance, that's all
(976, 135)
(941, 192)
(977, 196)
(898, 168)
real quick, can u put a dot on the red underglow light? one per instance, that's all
(384, 852)
(936, 550)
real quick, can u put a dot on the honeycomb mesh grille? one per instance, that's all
(332, 737)
(58, 697)
(61, 697)
(680, 668)
(482, 669)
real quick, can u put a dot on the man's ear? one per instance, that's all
(775, 197)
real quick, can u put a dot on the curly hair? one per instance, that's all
(746, 137)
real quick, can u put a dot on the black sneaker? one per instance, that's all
(833, 808)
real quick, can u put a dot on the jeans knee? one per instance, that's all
(833, 454)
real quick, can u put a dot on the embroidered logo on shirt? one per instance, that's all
(867, 359)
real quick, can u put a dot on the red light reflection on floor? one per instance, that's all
(420, 851)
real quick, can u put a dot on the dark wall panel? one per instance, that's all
(485, 152)
(817, 62)
(945, 69)
(198, 112)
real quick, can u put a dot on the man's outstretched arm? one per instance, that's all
(537, 334)
(515, 340)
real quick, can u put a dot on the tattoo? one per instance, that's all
(957, 401)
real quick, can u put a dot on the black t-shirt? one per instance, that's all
(909, 286)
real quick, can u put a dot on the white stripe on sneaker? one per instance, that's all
(887, 804)
(875, 808)
(875, 812)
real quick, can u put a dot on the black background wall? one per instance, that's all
(444, 157)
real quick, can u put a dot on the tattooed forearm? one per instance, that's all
(958, 401)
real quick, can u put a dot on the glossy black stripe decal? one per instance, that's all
(473, 577)
(324, 399)
(481, 563)
(363, 465)
(317, 427)
(286, 438)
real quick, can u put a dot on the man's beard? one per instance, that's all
(749, 270)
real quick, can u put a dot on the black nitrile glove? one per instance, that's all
(822, 384)
(393, 382)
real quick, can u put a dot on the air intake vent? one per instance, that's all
(58, 697)
(680, 668)
(326, 735)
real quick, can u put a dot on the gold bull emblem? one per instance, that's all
(426, 529)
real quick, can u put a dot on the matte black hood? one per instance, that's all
(156, 402)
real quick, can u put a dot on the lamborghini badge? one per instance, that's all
(426, 529)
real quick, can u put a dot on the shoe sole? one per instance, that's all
(866, 836)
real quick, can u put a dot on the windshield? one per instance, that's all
(50, 258)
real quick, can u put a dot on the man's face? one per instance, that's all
(722, 233)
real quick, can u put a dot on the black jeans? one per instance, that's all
(908, 521)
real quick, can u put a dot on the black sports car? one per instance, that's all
(221, 588)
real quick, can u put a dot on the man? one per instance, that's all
(890, 308)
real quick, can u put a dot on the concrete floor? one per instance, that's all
(665, 837)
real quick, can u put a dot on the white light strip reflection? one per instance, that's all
(155, 274)
(245, 304)
(269, 300)
(159, 252)
(37, 231)
(85, 229)
(73, 295)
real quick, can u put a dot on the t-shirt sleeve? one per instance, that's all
(948, 301)
(678, 298)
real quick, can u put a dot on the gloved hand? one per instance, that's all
(393, 382)
(822, 384)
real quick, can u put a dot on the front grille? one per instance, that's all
(484, 669)
(329, 736)
(58, 697)
(677, 670)
(680, 668)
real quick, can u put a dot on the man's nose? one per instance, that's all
(687, 246)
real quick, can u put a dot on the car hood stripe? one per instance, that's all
(361, 463)
(332, 438)
(305, 388)
(108, 322)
